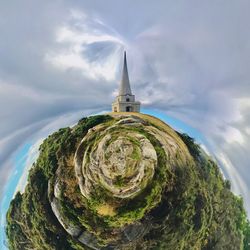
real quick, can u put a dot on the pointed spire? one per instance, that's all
(125, 85)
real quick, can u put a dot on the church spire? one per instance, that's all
(125, 101)
(125, 85)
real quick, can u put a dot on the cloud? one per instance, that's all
(90, 46)
(31, 158)
(187, 59)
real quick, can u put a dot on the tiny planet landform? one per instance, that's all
(125, 181)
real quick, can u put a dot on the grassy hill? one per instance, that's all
(125, 181)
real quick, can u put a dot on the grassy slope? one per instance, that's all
(200, 212)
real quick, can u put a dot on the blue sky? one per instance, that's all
(27, 154)
(19, 161)
(188, 60)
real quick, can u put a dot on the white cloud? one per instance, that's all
(248, 130)
(77, 40)
(238, 184)
(31, 158)
(232, 135)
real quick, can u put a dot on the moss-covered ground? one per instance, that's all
(189, 207)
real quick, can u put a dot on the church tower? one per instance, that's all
(125, 101)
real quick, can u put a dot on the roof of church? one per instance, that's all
(125, 85)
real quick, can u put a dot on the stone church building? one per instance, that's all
(125, 101)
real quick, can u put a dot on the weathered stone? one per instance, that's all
(89, 240)
(130, 157)
(70, 227)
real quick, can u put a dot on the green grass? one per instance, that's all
(190, 207)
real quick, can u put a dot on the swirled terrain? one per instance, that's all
(125, 181)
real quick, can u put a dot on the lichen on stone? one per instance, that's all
(125, 181)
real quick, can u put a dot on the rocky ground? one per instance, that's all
(125, 181)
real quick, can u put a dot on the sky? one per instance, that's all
(188, 60)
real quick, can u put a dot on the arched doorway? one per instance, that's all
(129, 109)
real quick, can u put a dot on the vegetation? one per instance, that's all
(193, 147)
(183, 207)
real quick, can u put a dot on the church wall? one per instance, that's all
(122, 107)
(123, 98)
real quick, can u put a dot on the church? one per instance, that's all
(125, 101)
